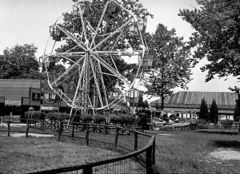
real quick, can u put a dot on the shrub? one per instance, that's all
(99, 119)
(115, 119)
(127, 119)
(227, 123)
(202, 124)
(36, 115)
(86, 118)
(53, 116)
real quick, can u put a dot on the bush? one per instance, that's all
(202, 124)
(115, 119)
(53, 116)
(227, 123)
(86, 118)
(127, 119)
(99, 119)
(36, 115)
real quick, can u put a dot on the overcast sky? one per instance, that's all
(27, 21)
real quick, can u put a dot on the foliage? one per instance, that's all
(203, 113)
(57, 116)
(237, 109)
(146, 105)
(213, 112)
(140, 101)
(34, 115)
(86, 118)
(171, 63)
(115, 119)
(99, 119)
(19, 62)
(227, 123)
(217, 36)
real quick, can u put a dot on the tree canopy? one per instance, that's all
(171, 62)
(19, 62)
(217, 36)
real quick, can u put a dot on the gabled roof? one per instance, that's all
(195, 97)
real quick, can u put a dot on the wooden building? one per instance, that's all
(188, 102)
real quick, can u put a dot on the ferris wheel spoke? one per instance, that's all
(79, 82)
(99, 23)
(110, 69)
(73, 38)
(103, 84)
(83, 25)
(96, 82)
(67, 71)
(113, 33)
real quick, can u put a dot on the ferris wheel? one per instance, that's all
(100, 45)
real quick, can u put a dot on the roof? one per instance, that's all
(195, 97)
(14, 89)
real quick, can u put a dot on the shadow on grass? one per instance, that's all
(227, 144)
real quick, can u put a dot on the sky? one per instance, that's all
(27, 22)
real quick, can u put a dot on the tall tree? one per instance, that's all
(203, 113)
(217, 36)
(171, 65)
(213, 112)
(140, 101)
(19, 62)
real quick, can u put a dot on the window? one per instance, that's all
(35, 97)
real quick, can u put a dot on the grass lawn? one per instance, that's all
(189, 152)
(21, 155)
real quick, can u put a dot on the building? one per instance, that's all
(188, 102)
(18, 95)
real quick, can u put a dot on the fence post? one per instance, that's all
(135, 141)
(8, 124)
(27, 129)
(87, 170)
(87, 134)
(106, 129)
(73, 127)
(116, 137)
(149, 152)
(60, 130)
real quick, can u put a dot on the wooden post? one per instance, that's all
(73, 127)
(116, 137)
(87, 170)
(60, 130)
(106, 129)
(9, 129)
(149, 160)
(135, 141)
(87, 134)
(27, 129)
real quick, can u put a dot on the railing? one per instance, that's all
(138, 148)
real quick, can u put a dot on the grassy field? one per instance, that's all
(21, 155)
(189, 152)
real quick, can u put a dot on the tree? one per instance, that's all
(213, 112)
(236, 115)
(146, 105)
(203, 113)
(171, 64)
(217, 25)
(19, 62)
(140, 101)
